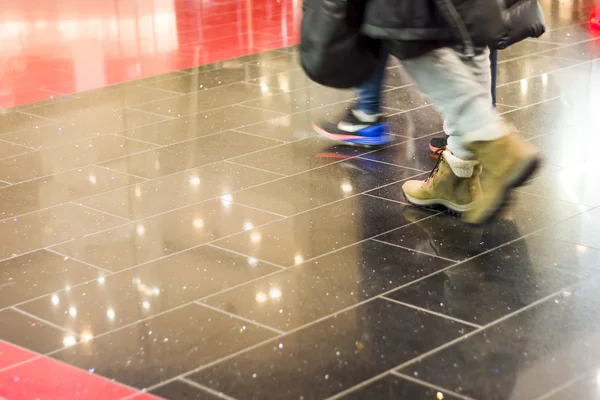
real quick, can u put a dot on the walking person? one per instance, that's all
(442, 45)
(364, 124)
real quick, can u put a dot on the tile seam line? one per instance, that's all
(454, 342)
(198, 301)
(417, 251)
(98, 211)
(430, 312)
(223, 359)
(42, 320)
(146, 180)
(241, 318)
(207, 389)
(100, 269)
(566, 385)
(232, 161)
(4, 136)
(579, 64)
(430, 385)
(246, 256)
(558, 47)
(210, 243)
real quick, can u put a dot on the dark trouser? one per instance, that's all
(369, 93)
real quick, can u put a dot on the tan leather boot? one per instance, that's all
(453, 184)
(507, 163)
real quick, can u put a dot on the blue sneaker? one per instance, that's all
(356, 128)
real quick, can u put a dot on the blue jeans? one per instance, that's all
(369, 93)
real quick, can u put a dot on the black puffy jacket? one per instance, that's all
(524, 19)
(418, 26)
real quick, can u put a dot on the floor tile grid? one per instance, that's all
(205, 244)
(146, 180)
(427, 384)
(455, 341)
(199, 302)
(567, 384)
(381, 296)
(177, 93)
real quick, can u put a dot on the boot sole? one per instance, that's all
(517, 180)
(450, 206)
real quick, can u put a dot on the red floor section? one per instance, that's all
(46, 379)
(52, 48)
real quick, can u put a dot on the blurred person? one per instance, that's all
(442, 44)
(364, 124)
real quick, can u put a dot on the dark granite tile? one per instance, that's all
(36, 274)
(297, 126)
(405, 98)
(53, 190)
(101, 99)
(573, 34)
(199, 125)
(417, 123)
(587, 388)
(527, 67)
(14, 121)
(579, 184)
(205, 100)
(313, 290)
(394, 387)
(162, 347)
(82, 126)
(148, 239)
(191, 154)
(412, 154)
(10, 150)
(184, 188)
(540, 119)
(583, 51)
(49, 227)
(68, 157)
(181, 390)
(32, 334)
(583, 229)
(490, 286)
(332, 355)
(302, 99)
(120, 299)
(299, 156)
(321, 186)
(319, 231)
(447, 236)
(524, 48)
(525, 356)
(285, 81)
(396, 76)
(212, 79)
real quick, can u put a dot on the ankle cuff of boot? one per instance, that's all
(460, 168)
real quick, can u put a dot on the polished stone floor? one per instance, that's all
(187, 236)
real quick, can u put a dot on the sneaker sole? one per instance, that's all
(521, 176)
(354, 140)
(456, 208)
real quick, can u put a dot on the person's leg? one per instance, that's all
(369, 93)
(486, 80)
(363, 124)
(494, 68)
(477, 133)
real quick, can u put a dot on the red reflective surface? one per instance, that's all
(51, 48)
(45, 379)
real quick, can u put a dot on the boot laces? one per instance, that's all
(436, 168)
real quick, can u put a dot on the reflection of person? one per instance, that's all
(447, 67)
